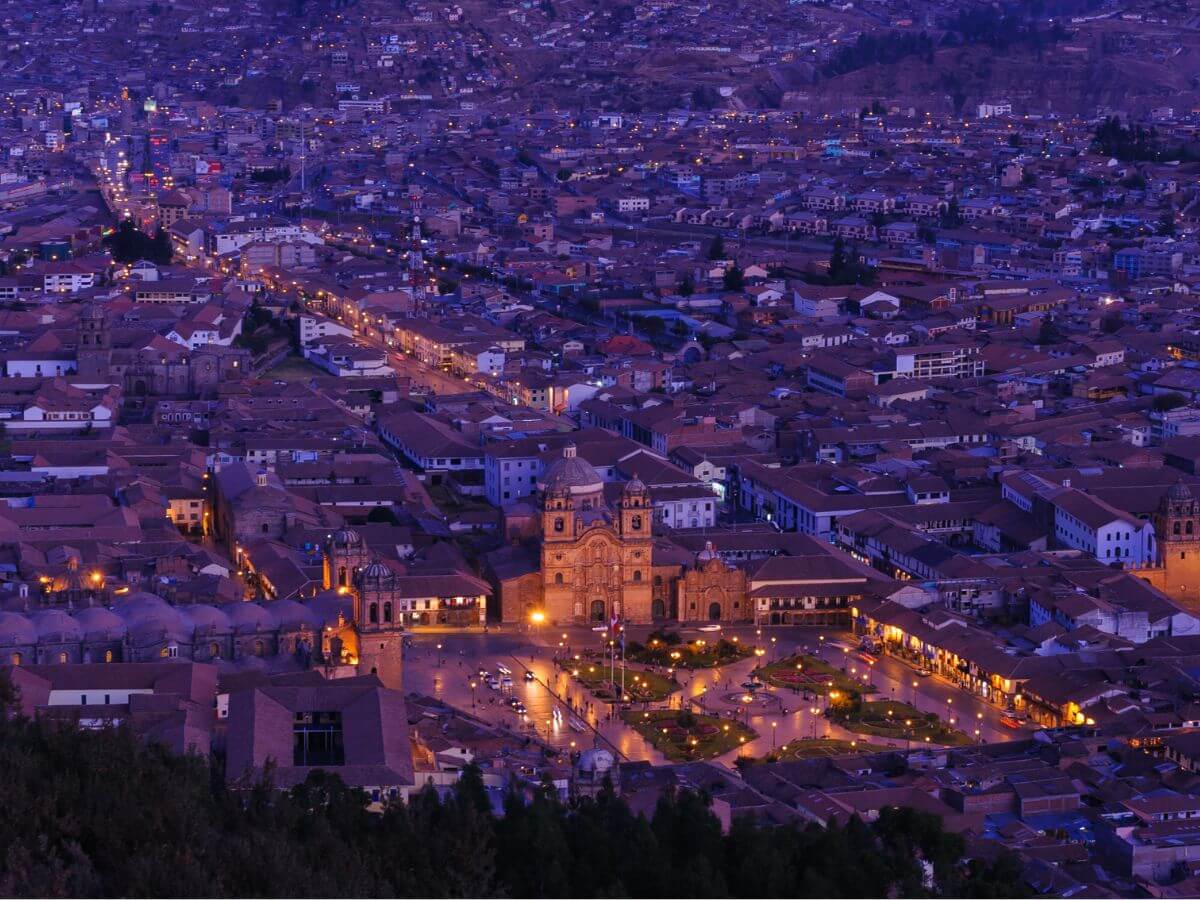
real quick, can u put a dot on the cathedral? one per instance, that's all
(1177, 528)
(593, 557)
(596, 561)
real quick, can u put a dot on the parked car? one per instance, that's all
(1010, 721)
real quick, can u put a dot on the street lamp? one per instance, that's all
(774, 725)
(472, 695)
(439, 650)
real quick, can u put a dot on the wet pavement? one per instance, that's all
(783, 718)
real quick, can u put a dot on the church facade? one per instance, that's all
(1177, 529)
(594, 559)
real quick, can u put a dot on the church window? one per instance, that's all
(1176, 529)
(265, 527)
(108, 656)
(387, 611)
(658, 581)
(1190, 528)
(558, 525)
(636, 523)
(16, 659)
(62, 657)
(214, 651)
(259, 648)
(373, 614)
(637, 574)
(558, 579)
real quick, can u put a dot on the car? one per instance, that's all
(599, 629)
(506, 683)
(512, 701)
(494, 683)
(924, 673)
(1010, 721)
(520, 708)
(709, 628)
(867, 657)
(503, 669)
(529, 676)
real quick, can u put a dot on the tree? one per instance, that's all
(687, 287)
(951, 216)
(716, 250)
(1048, 332)
(1167, 402)
(169, 825)
(734, 278)
(563, 175)
(837, 259)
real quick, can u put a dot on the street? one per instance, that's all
(447, 674)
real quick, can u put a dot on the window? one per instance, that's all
(15, 659)
(62, 658)
(265, 527)
(373, 614)
(108, 656)
(387, 611)
(558, 525)
(214, 650)
(636, 523)
(558, 579)
(317, 739)
(637, 574)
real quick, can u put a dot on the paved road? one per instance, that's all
(447, 674)
(790, 719)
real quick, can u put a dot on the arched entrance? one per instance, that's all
(714, 612)
(658, 610)
(597, 612)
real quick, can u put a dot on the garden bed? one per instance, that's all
(682, 735)
(640, 686)
(807, 673)
(896, 721)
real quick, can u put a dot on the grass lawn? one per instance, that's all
(812, 675)
(810, 748)
(640, 686)
(450, 503)
(292, 368)
(683, 736)
(669, 650)
(905, 722)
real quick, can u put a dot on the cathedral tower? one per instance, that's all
(377, 625)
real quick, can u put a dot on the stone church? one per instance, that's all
(594, 557)
(1177, 529)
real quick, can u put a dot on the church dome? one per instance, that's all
(15, 630)
(293, 616)
(150, 617)
(376, 571)
(347, 537)
(207, 619)
(251, 618)
(1180, 491)
(57, 625)
(571, 474)
(634, 485)
(100, 624)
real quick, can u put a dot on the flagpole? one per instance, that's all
(622, 662)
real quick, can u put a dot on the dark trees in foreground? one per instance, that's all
(95, 813)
